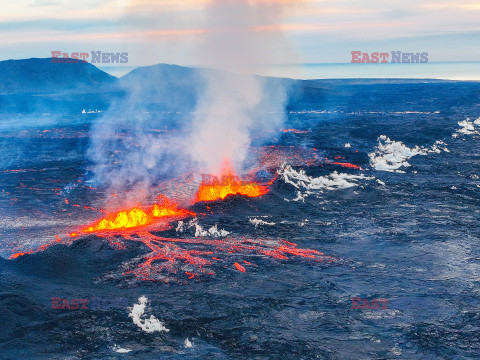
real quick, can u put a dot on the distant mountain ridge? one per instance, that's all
(38, 86)
(42, 86)
(42, 76)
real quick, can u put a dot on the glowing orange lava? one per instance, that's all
(347, 165)
(228, 183)
(183, 259)
(40, 248)
(136, 217)
(216, 192)
(239, 267)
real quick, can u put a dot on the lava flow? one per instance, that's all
(180, 259)
(136, 217)
(218, 188)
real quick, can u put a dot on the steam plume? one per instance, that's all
(235, 107)
(230, 106)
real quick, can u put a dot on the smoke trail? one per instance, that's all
(237, 105)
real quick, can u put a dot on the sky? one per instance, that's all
(314, 31)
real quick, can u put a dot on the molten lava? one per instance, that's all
(229, 183)
(135, 218)
(182, 259)
(216, 192)
(41, 248)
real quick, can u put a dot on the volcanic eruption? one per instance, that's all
(133, 159)
(136, 218)
(228, 183)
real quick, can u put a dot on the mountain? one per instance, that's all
(38, 86)
(173, 88)
(41, 76)
(163, 87)
(170, 74)
(34, 86)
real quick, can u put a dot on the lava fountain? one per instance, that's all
(228, 183)
(135, 218)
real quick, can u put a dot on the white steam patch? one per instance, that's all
(438, 147)
(120, 350)
(149, 325)
(188, 343)
(199, 230)
(90, 111)
(256, 222)
(467, 127)
(392, 155)
(307, 185)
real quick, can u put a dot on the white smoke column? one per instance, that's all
(242, 38)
